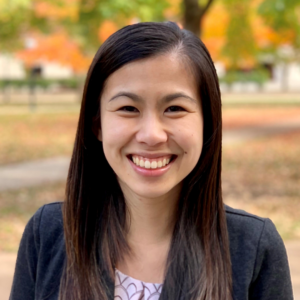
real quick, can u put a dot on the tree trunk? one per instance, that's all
(193, 15)
(284, 77)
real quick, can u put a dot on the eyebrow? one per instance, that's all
(166, 99)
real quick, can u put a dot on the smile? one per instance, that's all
(151, 163)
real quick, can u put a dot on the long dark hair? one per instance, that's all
(198, 264)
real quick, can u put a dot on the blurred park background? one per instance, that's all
(46, 47)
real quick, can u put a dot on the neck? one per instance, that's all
(150, 225)
(151, 220)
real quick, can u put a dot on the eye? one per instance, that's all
(175, 109)
(128, 109)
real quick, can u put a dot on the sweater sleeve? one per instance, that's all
(271, 277)
(23, 286)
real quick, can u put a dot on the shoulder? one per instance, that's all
(250, 230)
(258, 256)
(41, 255)
(49, 215)
(238, 215)
(53, 209)
(240, 222)
(47, 225)
(51, 252)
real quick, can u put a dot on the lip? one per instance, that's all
(151, 155)
(151, 172)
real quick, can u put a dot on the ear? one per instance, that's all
(96, 129)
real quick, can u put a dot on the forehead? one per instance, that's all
(161, 74)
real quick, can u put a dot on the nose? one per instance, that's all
(151, 131)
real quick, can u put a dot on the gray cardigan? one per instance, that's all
(259, 262)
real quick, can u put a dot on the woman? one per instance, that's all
(143, 206)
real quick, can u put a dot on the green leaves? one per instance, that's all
(82, 23)
(240, 46)
(92, 14)
(13, 19)
(283, 16)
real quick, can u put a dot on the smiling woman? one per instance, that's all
(151, 117)
(143, 216)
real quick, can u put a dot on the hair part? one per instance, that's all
(198, 265)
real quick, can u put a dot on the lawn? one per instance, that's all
(260, 176)
(263, 177)
(32, 136)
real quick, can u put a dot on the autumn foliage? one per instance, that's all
(49, 10)
(62, 48)
(106, 29)
(56, 47)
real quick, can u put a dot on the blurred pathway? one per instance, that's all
(7, 265)
(34, 173)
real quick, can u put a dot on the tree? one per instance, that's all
(80, 18)
(283, 16)
(88, 23)
(240, 47)
(194, 11)
(73, 29)
(13, 20)
(57, 48)
(83, 18)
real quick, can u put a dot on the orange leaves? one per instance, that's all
(174, 10)
(214, 29)
(49, 10)
(214, 32)
(106, 29)
(266, 36)
(58, 48)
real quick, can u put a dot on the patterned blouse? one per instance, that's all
(128, 288)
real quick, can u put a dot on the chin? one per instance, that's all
(153, 191)
(151, 194)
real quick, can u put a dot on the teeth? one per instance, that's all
(154, 164)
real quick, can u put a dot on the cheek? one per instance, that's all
(190, 137)
(192, 143)
(115, 133)
(192, 146)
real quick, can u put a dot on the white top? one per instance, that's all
(128, 288)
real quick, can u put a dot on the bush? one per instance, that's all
(70, 83)
(258, 76)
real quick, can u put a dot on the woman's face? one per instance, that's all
(151, 125)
